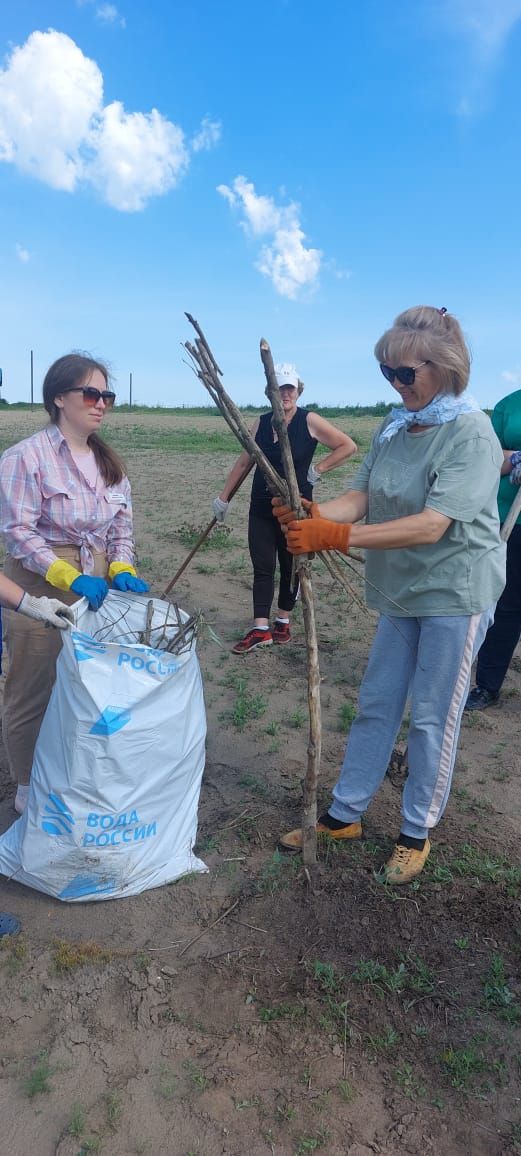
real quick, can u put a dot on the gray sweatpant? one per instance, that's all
(427, 660)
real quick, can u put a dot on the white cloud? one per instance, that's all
(54, 126)
(512, 377)
(486, 23)
(137, 156)
(485, 27)
(49, 94)
(108, 14)
(23, 254)
(209, 135)
(284, 258)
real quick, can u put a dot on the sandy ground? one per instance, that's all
(321, 1014)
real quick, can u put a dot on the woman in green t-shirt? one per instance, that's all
(502, 638)
(424, 507)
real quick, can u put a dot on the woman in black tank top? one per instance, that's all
(306, 429)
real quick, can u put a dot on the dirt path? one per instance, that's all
(334, 1016)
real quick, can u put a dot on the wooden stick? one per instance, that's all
(202, 538)
(206, 929)
(512, 516)
(148, 624)
(309, 801)
(332, 565)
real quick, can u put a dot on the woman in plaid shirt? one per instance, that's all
(66, 514)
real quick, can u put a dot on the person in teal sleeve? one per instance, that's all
(503, 636)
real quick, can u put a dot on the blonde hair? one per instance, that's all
(424, 333)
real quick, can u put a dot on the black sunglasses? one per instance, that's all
(91, 396)
(406, 374)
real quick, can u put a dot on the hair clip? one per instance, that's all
(442, 311)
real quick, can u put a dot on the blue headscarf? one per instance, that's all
(444, 407)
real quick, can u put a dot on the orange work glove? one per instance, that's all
(284, 514)
(311, 535)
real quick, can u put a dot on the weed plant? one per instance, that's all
(67, 957)
(38, 1079)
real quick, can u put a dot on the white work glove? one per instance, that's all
(220, 509)
(515, 464)
(313, 476)
(48, 610)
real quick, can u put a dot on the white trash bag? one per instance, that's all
(117, 769)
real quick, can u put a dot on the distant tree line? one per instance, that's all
(379, 409)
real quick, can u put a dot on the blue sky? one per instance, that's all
(284, 169)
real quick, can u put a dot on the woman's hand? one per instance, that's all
(284, 514)
(127, 581)
(48, 610)
(515, 468)
(95, 590)
(311, 535)
(220, 509)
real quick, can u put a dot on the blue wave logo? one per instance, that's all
(111, 720)
(81, 885)
(86, 647)
(60, 821)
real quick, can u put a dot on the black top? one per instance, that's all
(302, 447)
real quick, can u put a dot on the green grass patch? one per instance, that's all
(219, 539)
(38, 1080)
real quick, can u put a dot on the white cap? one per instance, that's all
(286, 375)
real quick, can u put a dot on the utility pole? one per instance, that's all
(32, 380)
(130, 393)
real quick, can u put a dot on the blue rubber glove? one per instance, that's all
(126, 581)
(95, 590)
(515, 468)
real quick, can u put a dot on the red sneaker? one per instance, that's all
(281, 633)
(253, 639)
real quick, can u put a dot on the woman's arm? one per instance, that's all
(506, 468)
(340, 444)
(349, 507)
(10, 593)
(120, 536)
(322, 533)
(20, 511)
(414, 530)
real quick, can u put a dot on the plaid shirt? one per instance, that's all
(46, 501)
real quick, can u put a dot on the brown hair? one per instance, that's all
(77, 369)
(424, 333)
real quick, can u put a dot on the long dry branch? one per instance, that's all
(309, 794)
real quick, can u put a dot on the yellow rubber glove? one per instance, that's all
(120, 568)
(310, 535)
(61, 574)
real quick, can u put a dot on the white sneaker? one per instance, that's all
(21, 797)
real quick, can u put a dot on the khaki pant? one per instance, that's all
(32, 650)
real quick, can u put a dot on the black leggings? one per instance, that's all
(503, 636)
(267, 543)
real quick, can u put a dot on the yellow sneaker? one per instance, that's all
(405, 864)
(293, 840)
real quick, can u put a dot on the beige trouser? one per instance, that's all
(32, 650)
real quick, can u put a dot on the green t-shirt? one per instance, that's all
(453, 468)
(506, 420)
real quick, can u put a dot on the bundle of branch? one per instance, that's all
(209, 373)
(207, 370)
